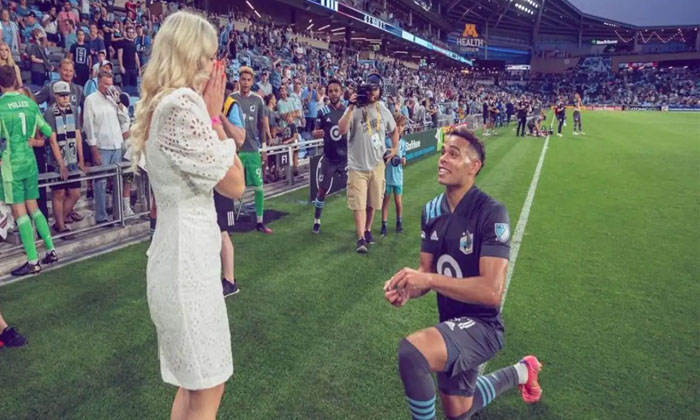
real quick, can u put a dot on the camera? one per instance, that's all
(363, 93)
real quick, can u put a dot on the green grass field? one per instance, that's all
(603, 293)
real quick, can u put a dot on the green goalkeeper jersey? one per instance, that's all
(19, 119)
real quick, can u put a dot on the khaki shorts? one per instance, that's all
(366, 188)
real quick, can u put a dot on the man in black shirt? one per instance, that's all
(523, 107)
(560, 111)
(335, 146)
(464, 257)
(129, 64)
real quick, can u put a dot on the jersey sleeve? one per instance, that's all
(318, 125)
(495, 233)
(426, 244)
(234, 116)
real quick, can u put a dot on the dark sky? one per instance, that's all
(644, 12)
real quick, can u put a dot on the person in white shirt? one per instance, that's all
(106, 126)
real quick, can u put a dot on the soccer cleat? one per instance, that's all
(317, 228)
(11, 338)
(531, 391)
(383, 230)
(582, 133)
(361, 246)
(369, 238)
(559, 135)
(399, 227)
(263, 229)
(575, 133)
(50, 258)
(27, 269)
(230, 289)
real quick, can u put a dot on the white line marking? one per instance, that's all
(520, 229)
(522, 221)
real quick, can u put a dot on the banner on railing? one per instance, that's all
(684, 108)
(642, 108)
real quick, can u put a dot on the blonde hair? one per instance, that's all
(10, 60)
(180, 56)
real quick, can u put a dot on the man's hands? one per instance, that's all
(406, 284)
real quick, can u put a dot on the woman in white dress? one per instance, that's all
(188, 154)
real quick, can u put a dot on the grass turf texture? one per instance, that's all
(603, 293)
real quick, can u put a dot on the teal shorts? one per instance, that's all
(396, 189)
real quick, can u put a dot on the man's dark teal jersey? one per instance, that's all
(478, 227)
(335, 146)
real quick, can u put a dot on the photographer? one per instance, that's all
(367, 122)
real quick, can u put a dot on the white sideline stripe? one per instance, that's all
(520, 229)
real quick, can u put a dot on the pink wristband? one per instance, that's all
(215, 121)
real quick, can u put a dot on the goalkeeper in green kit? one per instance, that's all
(19, 119)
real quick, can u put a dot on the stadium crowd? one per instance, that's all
(73, 41)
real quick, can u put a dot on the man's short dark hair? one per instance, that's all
(8, 77)
(336, 81)
(473, 140)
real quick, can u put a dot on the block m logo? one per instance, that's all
(470, 31)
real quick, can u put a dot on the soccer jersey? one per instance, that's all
(19, 119)
(253, 113)
(335, 146)
(478, 227)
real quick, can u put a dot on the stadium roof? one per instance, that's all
(560, 16)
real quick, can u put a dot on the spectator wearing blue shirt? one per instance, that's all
(234, 128)
(143, 43)
(10, 32)
(394, 178)
(29, 26)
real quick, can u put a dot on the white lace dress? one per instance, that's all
(185, 160)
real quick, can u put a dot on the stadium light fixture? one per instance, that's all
(323, 27)
(256, 12)
(310, 26)
(249, 5)
(338, 29)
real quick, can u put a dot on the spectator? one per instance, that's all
(92, 84)
(29, 25)
(129, 65)
(7, 60)
(290, 135)
(130, 7)
(66, 153)
(394, 178)
(143, 44)
(70, 38)
(80, 54)
(22, 9)
(264, 83)
(10, 32)
(106, 127)
(66, 72)
(84, 9)
(95, 44)
(39, 58)
(64, 17)
(105, 25)
(50, 25)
